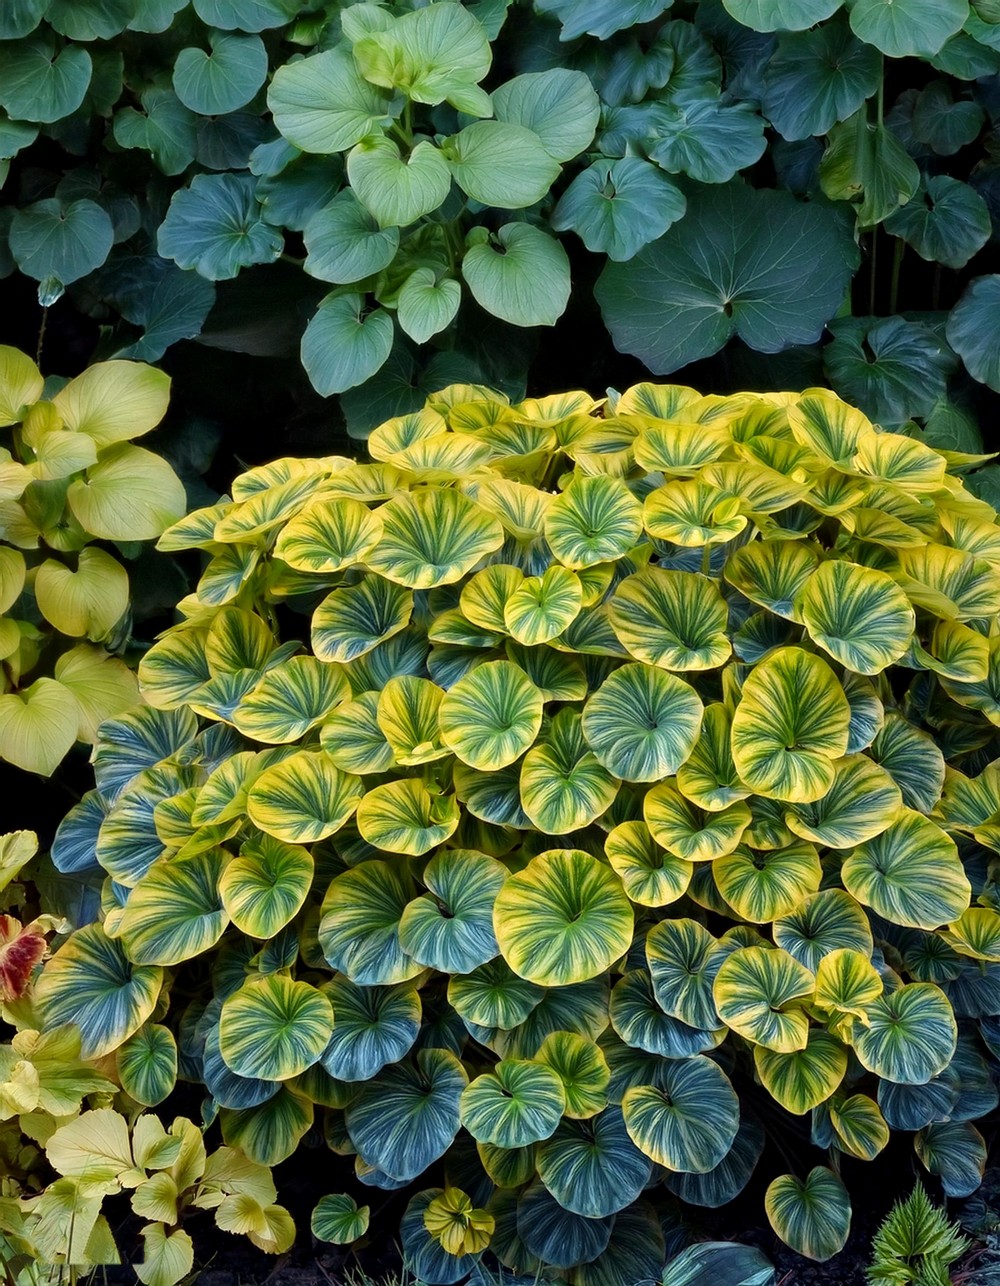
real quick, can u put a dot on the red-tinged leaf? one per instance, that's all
(21, 948)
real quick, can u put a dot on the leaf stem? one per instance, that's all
(897, 262)
(873, 264)
(41, 336)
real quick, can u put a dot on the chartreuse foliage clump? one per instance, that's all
(415, 184)
(549, 795)
(75, 495)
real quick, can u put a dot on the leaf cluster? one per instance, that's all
(70, 477)
(540, 792)
(736, 167)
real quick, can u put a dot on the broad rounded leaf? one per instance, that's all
(593, 1168)
(404, 817)
(51, 239)
(671, 618)
(813, 1215)
(642, 723)
(858, 615)
(340, 349)
(970, 327)
(129, 494)
(521, 275)
(147, 1064)
(688, 1120)
(263, 887)
(372, 1026)
(804, 1078)
(514, 1105)
(323, 104)
(649, 874)
(764, 267)
(862, 802)
(339, 1218)
(273, 1028)
(216, 227)
(759, 993)
(908, 28)
(432, 537)
(490, 717)
(450, 928)
(175, 912)
(223, 79)
(909, 1035)
(595, 520)
(303, 798)
(359, 930)
(563, 919)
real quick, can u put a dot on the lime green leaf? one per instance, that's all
(543, 606)
(264, 887)
(359, 929)
(519, 274)
(91, 982)
(175, 912)
(581, 1066)
(649, 874)
(352, 620)
(860, 1127)
(290, 699)
(791, 723)
(397, 191)
(595, 520)
(562, 919)
(804, 1078)
(114, 401)
(671, 618)
(867, 160)
(847, 982)
(858, 615)
(273, 1028)
(225, 78)
(270, 1132)
(642, 723)
(708, 777)
(813, 1215)
(21, 384)
(303, 798)
(38, 725)
(432, 538)
(404, 817)
(353, 739)
(430, 55)
(501, 164)
(323, 104)
(688, 831)
(516, 1104)
(909, 1035)
(94, 1148)
(688, 1119)
(760, 886)
(558, 105)
(339, 1219)
(86, 603)
(772, 573)
(327, 537)
(408, 1116)
(344, 243)
(563, 785)
(910, 873)
(129, 494)
(758, 993)
(862, 802)
(407, 714)
(490, 717)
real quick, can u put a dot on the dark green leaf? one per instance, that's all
(39, 82)
(339, 349)
(947, 221)
(617, 207)
(817, 78)
(973, 328)
(892, 369)
(225, 78)
(763, 267)
(215, 226)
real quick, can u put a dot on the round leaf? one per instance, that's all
(521, 275)
(273, 1028)
(813, 1215)
(303, 798)
(516, 1104)
(264, 887)
(593, 1168)
(688, 1120)
(909, 1035)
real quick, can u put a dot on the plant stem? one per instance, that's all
(897, 262)
(41, 336)
(871, 272)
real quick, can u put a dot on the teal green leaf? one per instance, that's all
(908, 28)
(956, 1152)
(408, 1116)
(138, 741)
(891, 368)
(684, 959)
(353, 739)
(39, 82)
(216, 227)
(618, 206)
(593, 1168)
(273, 1028)
(725, 1181)
(91, 983)
(558, 105)
(359, 928)
(641, 1023)
(867, 160)
(225, 78)
(862, 802)
(164, 127)
(688, 831)
(340, 349)
(423, 1255)
(759, 993)
(708, 140)
(947, 221)
(554, 1235)
(912, 759)
(246, 15)
(323, 104)
(147, 1064)
(500, 164)
(373, 1026)
(970, 327)
(812, 1215)
(688, 1120)
(672, 619)
(816, 78)
(271, 1131)
(909, 1035)
(175, 912)
(397, 191)
(344, 243)
(593, 18)
(450, 927)
(303, 798)
(781, 15)
(766, 268)
(519, 274)
(20, 18)
(642, 723)
(128, 843)
(514, 1105)
(50, 239)
(822, 923)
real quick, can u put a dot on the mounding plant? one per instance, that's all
(561, 800)
(915, 1244)
(72, 484)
